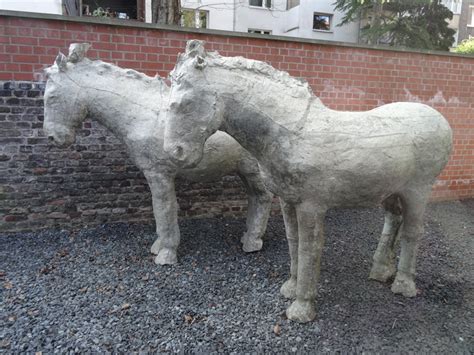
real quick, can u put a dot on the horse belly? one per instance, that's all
(361, 175)
(368, 176)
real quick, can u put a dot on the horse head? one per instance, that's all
(195, 111)
(64, 110)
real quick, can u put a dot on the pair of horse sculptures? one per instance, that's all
(279, 137)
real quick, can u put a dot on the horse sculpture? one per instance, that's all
(131, 105)
(313, 158)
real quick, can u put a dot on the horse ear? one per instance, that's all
(77, 51)
(199, 62)
(195, 48)
(47, 71)
(61, 61)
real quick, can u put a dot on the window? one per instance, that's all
(292, 3)
(322, 22)
(470, 19)
(194, 18)
(262, 32)
(261, 3)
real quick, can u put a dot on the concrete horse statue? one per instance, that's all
(313, 158)
(131, 105)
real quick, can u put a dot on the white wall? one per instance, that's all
(292, 20)
(42, 6)
(346, 33)
(148, 14)
(261, 18)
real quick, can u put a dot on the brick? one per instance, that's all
(15, 218)
(52, 42)
(128, 48)
(22, 58)
(24, 40)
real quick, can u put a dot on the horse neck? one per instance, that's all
(120, 105)
(255, 131)
(263, 116)
(286, 102)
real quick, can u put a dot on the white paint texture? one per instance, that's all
(131, 105)
(313, 158)
(437, 99)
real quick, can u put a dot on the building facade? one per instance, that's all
(456, 8)
(293, 18)
(466, 21)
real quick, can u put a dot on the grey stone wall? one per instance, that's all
(91, 182)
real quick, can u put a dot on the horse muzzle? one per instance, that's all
(60, 140)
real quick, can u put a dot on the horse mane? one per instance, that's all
(214, 59)
(102, 67)
(259, 67)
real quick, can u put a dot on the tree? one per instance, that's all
(166, 12)
(466, 46)
(409, 23)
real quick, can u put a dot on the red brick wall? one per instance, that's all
(344, 77)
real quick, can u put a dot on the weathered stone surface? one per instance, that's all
(313, 158)
(78, 88)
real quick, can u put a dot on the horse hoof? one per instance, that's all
(288, 289)
(404, 286)
(301, 311)
(166, 257)
(155, 248)
(381, 272)
(250, 245)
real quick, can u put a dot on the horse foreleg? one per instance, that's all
(384, 265)
(258, 212)
(288, 289)
(310, 247)
(165, 210)
(414, 202)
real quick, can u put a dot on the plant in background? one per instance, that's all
(100, 12)
(466, 46)
(410, 23)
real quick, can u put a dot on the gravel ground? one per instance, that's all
(99, 290)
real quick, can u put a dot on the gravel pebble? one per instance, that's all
(98, 290)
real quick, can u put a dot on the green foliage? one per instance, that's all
(466, 47)
(188, 18)
(100, 12)
(410, 23)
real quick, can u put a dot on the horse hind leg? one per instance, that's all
(414, 200)
(384, 260)
(288, 289)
